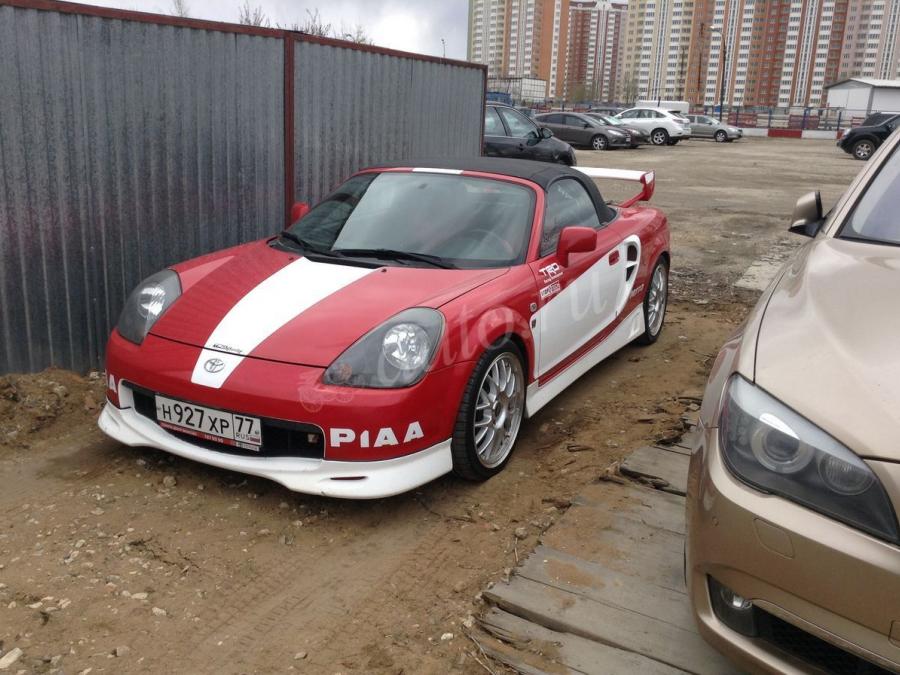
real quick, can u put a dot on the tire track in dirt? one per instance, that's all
(314, 604)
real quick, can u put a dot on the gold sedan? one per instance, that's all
(793, 549)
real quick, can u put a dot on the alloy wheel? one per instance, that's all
(599, 143)
(656, 302)
(659, 137)
(863, 150)
(499, 409)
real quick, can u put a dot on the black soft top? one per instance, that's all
(542, 173)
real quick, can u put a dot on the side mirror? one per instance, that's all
(546, 133)
(808, 217)
(587, 126)
(298, 210)
(574, 239)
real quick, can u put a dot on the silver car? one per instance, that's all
(703, 126)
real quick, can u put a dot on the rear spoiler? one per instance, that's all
(647, 179)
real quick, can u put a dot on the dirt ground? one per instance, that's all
(117, 560)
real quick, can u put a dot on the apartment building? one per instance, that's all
(656, 49)
(765, 52)
(871, 45)
(593, 56)
(520, 38)
(488, 34)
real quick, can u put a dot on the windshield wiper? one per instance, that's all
(307, 246)
(391, 254)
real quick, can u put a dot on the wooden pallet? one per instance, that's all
(605, 591)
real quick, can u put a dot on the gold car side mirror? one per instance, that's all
(808, 217)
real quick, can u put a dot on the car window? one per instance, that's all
(551, 119)
(647, 114)
(568, 203)
(492, 124)
(518, 125)
(876, 216)
(629, 114)
(468, 222)
(573, 121)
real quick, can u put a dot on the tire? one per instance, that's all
(659, 136)
(654, 316)
(721, 136)
(863, 149)
(474, 458)
(599, 142)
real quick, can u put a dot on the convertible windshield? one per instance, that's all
(877, 214)
(421, 218)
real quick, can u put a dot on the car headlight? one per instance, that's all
(149, 301)
(396, 354)
(615, 132)
(772, 448)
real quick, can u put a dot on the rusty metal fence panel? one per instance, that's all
(354, 108)
(125, 146)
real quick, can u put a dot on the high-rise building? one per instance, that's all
(520, 38)
(657, 45)
(610, 49)
(871, 40)
(784, 52)
(488, 34)
(593, 54)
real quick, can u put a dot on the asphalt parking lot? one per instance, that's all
(118, 560)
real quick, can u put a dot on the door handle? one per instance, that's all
(613, 257)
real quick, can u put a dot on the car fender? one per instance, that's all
(479, 318)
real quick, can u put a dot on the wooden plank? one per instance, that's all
(674, 448)
(689, 440)
(655, 508)
(622, 544)
(538, 649)
(622, 628)
(629, 591)
(655, 463)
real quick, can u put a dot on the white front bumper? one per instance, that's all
(353, 480)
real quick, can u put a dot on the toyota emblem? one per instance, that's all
(214, 365)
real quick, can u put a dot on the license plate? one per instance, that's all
(210, 424)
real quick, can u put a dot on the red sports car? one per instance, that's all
(401, 329)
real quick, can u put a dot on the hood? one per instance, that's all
(828, 344)
(262, 302)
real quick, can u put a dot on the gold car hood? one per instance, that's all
(829, 343)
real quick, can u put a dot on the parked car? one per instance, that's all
(581, 129)
(863, 141)
(703, 126)
(664, 127)
(638, 136)
(401, 329)
(793, 544)
(606, 111)
(509, 134)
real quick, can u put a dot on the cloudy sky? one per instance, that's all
(411, 25)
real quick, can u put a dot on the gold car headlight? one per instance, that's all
(774, 449)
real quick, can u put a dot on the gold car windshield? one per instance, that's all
(876, 216)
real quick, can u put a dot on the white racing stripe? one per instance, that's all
(264, 310)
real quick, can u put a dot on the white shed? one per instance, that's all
(862, 95)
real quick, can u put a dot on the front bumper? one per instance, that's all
(620, 141)
(831, 581)
(354, 480)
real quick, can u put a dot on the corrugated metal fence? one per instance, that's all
(130, 141)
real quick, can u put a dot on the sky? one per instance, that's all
(410, 25)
